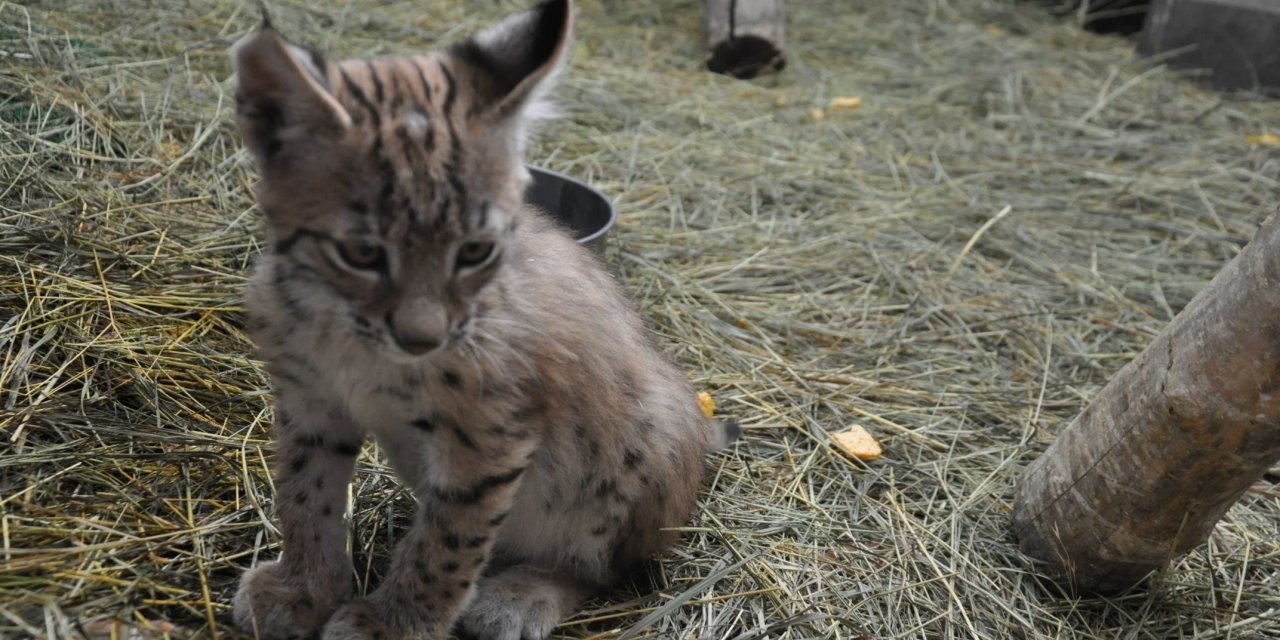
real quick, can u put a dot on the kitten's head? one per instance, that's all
(392, 186)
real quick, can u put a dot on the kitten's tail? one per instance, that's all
(723, 433)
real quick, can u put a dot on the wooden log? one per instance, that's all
(745, 37)
(1144, 472)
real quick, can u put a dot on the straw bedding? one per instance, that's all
(958, 265)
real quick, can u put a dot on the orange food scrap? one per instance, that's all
(705, 403)
(855, 442)
(1266, 138)
(845, 102)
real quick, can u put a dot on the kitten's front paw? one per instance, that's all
(269, 604)
(511, 610)
(357, 621)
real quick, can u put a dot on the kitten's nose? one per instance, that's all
(418, 327)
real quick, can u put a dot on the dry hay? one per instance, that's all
(811, 273)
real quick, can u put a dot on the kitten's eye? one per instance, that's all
(472, 254)
(362, 254)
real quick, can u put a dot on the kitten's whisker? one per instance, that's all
(512, 322)
(529, 329)
(469, 350)
(496, 342)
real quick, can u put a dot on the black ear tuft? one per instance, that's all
(511, 57)
(266, 17)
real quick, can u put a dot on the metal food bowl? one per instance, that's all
(585, 212)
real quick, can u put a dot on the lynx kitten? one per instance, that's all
(406, 292)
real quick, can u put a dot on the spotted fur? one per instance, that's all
(406, 292)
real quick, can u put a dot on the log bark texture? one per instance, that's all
(1171, 442)
(745, 37)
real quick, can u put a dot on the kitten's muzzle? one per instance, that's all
(418, 327)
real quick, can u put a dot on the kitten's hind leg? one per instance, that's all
(521, 602)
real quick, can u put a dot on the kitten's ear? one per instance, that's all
(516, 60)
(281, 94)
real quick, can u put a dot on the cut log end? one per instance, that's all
(1074, 569)
(745, 38)
(746, 57)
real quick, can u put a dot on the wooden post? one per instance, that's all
(745, 37)
(1174, 439)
